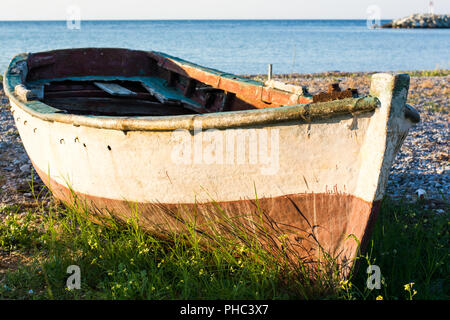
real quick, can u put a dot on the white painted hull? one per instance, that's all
(346, 155)
(317, 180)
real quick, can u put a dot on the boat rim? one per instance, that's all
(220, 120)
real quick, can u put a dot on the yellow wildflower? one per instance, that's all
(345, 284)
(408, 286)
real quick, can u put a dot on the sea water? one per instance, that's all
(245, 46)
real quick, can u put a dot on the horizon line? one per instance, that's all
(196, 19)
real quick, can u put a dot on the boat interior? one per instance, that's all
(122, 82)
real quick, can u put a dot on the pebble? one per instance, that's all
(25, 168)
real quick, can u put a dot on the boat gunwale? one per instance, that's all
(219, 120)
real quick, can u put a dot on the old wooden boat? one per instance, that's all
(132, 132)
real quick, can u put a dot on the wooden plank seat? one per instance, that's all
(160, 90)
(114, 89)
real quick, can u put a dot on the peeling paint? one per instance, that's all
(334, 158)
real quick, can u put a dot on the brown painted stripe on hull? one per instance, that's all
(306, 222)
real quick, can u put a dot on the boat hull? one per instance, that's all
(317, 182)
(308, 176)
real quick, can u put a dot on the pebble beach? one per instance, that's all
(421, 168)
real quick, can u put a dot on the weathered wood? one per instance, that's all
(61, 86)
(38, 91)
(286, 87)
(21, 69)
(412, 114)
(38, 61)
(92, 93)
(209, 89)
(173, 76)
(164, 94)
(114, 106)
(227, 101)
(114, 89)
(209, 99)
(24, 93)
(190, 87)
(155, 89)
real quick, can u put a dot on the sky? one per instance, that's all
(213, 9)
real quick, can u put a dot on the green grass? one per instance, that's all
(410, 245)
(429, 73)
(120, 261)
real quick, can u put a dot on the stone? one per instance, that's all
(25, 168)
(420, 21)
